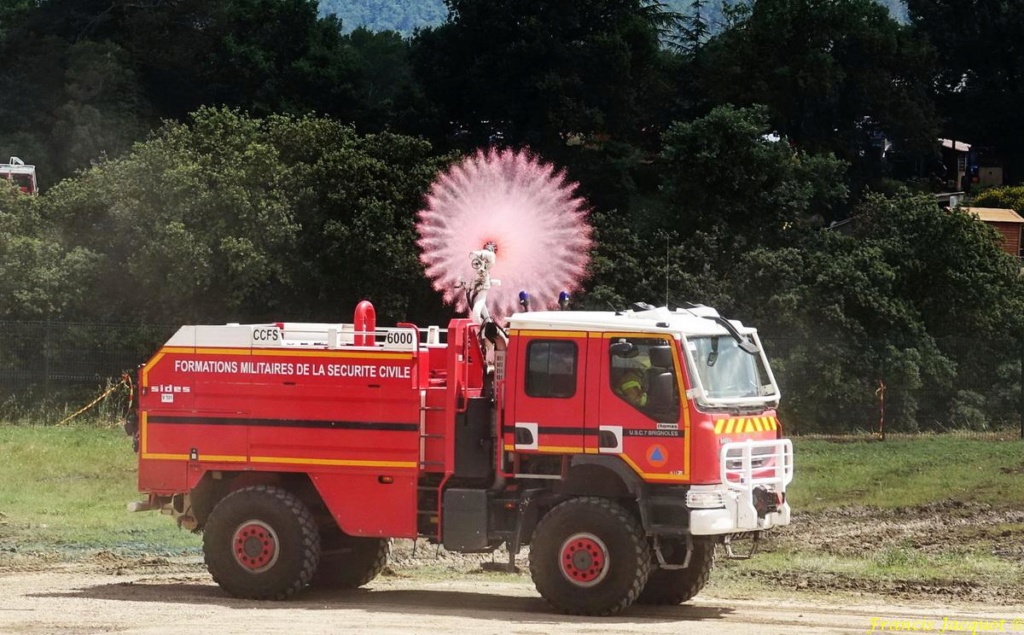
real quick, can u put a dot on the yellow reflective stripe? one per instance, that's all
(166, 457)
(215, 458)
(653, 476)
(561, 449)
(746, 424)
(332, 462)
(539, 333)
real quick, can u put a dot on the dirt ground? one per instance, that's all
(951, 530)
(180, 598)
(436, 591)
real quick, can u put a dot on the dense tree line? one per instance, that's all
(226, 160)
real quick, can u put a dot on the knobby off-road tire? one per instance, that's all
(589, 556)
(261, 543)
(348, 562)
(675, 586)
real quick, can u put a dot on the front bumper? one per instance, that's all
(751, 472)
(732, 519)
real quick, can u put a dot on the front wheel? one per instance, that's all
(261, 543)
(675, 586)
(589, 556)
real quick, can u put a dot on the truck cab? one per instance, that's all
(700, 448)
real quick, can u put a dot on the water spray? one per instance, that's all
(517, 219)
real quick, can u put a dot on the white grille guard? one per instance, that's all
(746, 464)
(744, 467)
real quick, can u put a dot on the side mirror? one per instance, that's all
(662, 397)
(623, 349)
(661, 356)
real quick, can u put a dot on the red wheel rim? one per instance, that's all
(255, 546)
(583, 559)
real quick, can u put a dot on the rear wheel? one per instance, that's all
(589, 556)
(261, 543)
(347, 562)
(674, 586)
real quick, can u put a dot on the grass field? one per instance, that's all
(907, 472)
(865, 510)
(931, 516)
(64, 490)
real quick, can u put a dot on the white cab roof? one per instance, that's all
(691, 321)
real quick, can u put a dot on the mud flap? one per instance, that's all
(465, 520)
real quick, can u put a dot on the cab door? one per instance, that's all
(547, 413)
(649, 434)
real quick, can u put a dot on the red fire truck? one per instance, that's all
(23, 176)
(300, 450)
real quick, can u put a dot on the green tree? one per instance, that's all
(836, 75)
(67, 99)
(694, 27)
(265, 56)
(543, 73)
(726, 177)
(12, 13)
(1006, 197)
(583, 84)
(103, 111)
(387, 95)
(39, 279)
(980, 78)
(919, 298)
(726, 189)
(229, 217)
(85, 79)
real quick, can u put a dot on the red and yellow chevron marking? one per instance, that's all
(746, 424)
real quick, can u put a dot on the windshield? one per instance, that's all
(727, 374)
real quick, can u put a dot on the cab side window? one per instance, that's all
(551, 369)
(643, 374)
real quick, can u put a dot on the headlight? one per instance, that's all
(704, 500)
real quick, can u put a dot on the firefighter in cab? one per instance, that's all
(631, 384)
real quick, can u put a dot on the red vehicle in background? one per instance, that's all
(300, 450)
(24, 176)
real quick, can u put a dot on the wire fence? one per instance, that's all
(50, 367)
(974, 389)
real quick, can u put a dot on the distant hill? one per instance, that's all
(386, 15)
(406, 15)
